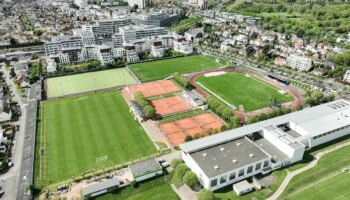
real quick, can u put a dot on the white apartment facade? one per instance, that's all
(131, 33)
(226, 158)
(299, 62)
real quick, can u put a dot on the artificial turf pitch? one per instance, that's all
(67, 85)
(237, 89)
(149, 71)
(78, 130)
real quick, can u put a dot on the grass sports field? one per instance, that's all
(325, 181)
(237, 89)
(78, 130)
(336, 187)
(155, 189)
(149, 71)
(66, 85)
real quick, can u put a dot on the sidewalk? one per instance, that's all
(184, 192)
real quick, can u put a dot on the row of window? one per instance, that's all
(241, 173)
(331, 132)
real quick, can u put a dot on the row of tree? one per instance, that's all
(316, 98)
(144, 103)
(264, 116)
(219, 107)
(181, 80)
(183, 174)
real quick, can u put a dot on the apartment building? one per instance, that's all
(299, 62)
(156, 19)
(107, 28)
(131, 33)
(61, 42)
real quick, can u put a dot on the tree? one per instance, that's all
(190, 179)
(180, 172)
(175, 162)
(188, 138)
(149, 111)
(205, 194)
(35, 56)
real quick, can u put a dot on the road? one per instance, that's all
(10, 179)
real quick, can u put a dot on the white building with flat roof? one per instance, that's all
(229, 157)
(131, 33)
(299, 63)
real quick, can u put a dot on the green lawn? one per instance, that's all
(149, 71)
(155, 189)
(78, 130)
(66, 85)
(237, 89)
(316, 182)
(336, 187)
(227, 193)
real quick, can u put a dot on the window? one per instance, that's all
(214, 182)
(250, 169)
(223, 179)
(241, 172)
(266, 163)
(232, 175)
(258, 166)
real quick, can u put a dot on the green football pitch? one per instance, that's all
(238, 89)
(156, 70)
(82, 133)
(66, 85)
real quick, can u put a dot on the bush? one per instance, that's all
(188, 138)
(175, 162)
(181, 170)
(190, 179)
(205, 194)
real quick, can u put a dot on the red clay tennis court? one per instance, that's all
(155, 88)
(170, 105)
(176, 131)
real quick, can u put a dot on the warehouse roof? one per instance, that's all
(99, 186)
(144, 167)
(228, 156)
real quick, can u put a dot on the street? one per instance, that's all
(9, 180)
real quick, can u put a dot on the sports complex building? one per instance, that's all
(229, 157)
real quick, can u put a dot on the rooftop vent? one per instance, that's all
(216, 167)
(234, 161)
(238, 144)
(251, 155)
(222, 148)
(205, 154)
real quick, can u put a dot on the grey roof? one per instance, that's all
(144, 167)
(229, 156)
(98, 186)
(315, 120)
(274, 152)
(243, 186)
